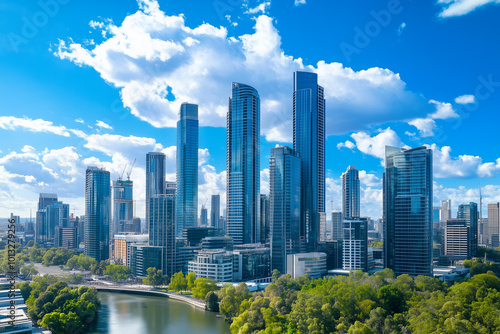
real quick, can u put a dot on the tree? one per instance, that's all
(190, 278)
(100, 269)
(178, 282)
(202, 286)
(276, 275)
(29, 271)
(117, 272)
(154, 277)
(212, 301)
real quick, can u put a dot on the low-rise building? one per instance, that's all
(300, 264)
(215, 264)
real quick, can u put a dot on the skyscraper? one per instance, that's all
(355, 244)
(204, 216)
(493, 231)
(284, 203)
(170, 188)
(243, 165)
(215, 212)
(350, 193)
(97, 213)
(123, 206)
(41, 227)
(309, 144)
(265, 222)
(155, 178)
(187, 168)
(337, 227)
(445, 210)
(470, 213)
(162, 229)
(408, 210)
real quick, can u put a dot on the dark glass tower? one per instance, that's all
(408, 211)
(215, 212)
(123, 206)
(97, 213)
(284, 202)
(162, 229)
(243, 165)
(350, 193)
(471, 215)
(187, 168)
(309, 144)
(155, 178)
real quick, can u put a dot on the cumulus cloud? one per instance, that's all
(261, 8)
(79, 120)
(427, 125)
(369, 179)
(463, 166)
(465, 99)
(349, 144)
(103, 125)
(453, 8)
(32, 125)
(375, 146)
(158, 62)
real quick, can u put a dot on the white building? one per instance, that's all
(313, 264)
(215, 264)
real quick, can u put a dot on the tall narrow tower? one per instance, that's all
(155, 179)
(309, 144)
(243, 165)
(350, 193)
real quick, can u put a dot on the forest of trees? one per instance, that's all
(359, 303)
(59, 308)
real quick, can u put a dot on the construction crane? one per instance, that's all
(130, 171)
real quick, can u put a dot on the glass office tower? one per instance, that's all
(215, 212)
(471, 215)
(243, 165)
(408, 210)
(162, 229)
(123, 206)
(155, 178)
(284, 203)
(187, 168)
(309, 145)
(350, 193)
(97, 213)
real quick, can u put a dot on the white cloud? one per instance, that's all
(452, 8)
(261, 8)
(368, 179)
(465, 99)
(152, 55)
(79, 120)
(264, 181)
(425, 126)
(463, 166)
(401, 28)
(299, 2)
(103, 125)
(94, 24)
(349, 144)
(32, 125)
(375, 146)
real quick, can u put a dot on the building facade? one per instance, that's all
(470, 213)
(97, 213)
(408, 211)
(456, 239)
(243, 165)
(215, 212)
(155, 178)
(355, 244)
(313, 264)
(162, 229)
(215, 264)
(187, 168)
(123, 206)
(309, 145)
(493, 230)
(285, 206)
(350, 193)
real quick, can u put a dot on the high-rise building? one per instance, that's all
(445, 210)
(350, 193)
(155, 178)
(337, 227)
(170, 188)
(97, 213)
(123, 206)
(243, 165)
(57, 214)
(204, 216)
(309, 145)
(493, 232)
(265, 221)
(456, 239)
(408, 210)
(470, 213)
(355, 244)
(187, 168)
(162, 229)
(215, 212)
(284, 205)
(44, 200)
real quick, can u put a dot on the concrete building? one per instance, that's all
(300, 264)
(122, 244)
(215, 264)
(493, 234)
(456, 239)
(355, 244)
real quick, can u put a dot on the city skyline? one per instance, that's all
(48, 147)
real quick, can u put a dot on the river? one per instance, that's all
(125, 313)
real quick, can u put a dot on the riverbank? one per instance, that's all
(190, 300)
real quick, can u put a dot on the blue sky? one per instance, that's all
(101, 82)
